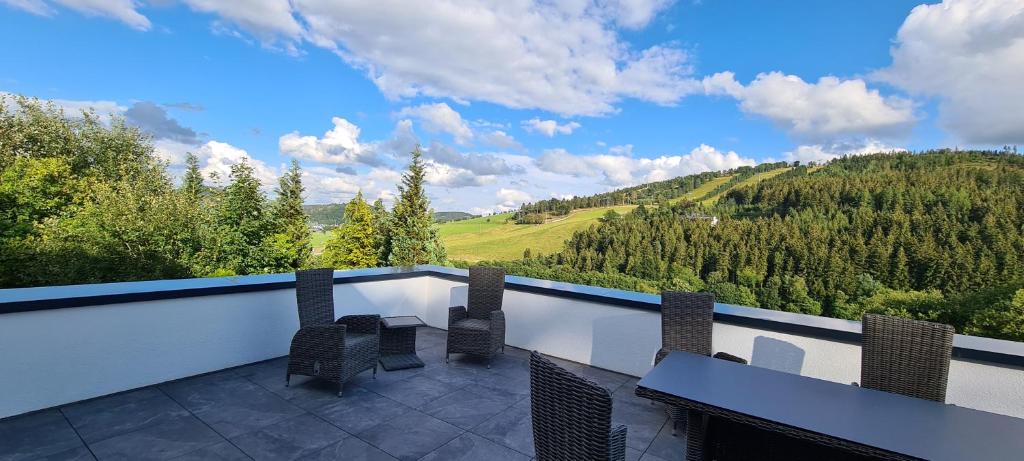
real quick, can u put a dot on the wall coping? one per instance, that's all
(16, 300)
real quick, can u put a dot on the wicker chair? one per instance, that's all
(328, 349)
(687, 320)
(479, 327)
(903, 356)
(572, 416)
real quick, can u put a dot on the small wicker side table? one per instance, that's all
(398, 342)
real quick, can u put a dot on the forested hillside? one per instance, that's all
(937, 235)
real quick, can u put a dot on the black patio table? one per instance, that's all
(398, 342)
(841, 416)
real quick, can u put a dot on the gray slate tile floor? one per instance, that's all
(458, 411)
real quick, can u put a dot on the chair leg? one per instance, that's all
(446, 354)
(341, 387)
(375, 371)
(287, 380)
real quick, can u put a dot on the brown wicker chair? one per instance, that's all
(904, 356)
(325, 348)
(687, 321)
(479, 327)
(572, 416)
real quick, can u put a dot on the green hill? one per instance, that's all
(498, 237)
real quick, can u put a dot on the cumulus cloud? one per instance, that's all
(125, 11)
(512, 198)
(339, 145)
(444, 175)
(153, 119)
(216, 159)
(624, 170)
(565, 57)
(821, 153)
(548, 128)
(501, 139)
(440, 117)
(970, 55)
(827, 110)
(476, 163)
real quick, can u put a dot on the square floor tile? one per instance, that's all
(36, 435)
(410, 436)
(643, 421)
(350, 449)
(666, 446)
(292, 438)
(165, 440)
(233, 406)
(223, 451)
(512, 428)
(415, 391)
(106, 417)
(472, 447)
(465, 408)
(360, 410)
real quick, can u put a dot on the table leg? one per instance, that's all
(696, 430)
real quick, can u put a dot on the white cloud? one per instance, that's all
(216, 158)
(821, 153)
(565, 57)
(969, 54)
(548, 128)
(444, 175)
(440, 117)
(512, 198)
(265, 19)
(477, 163)
(501, 139)
(327, 185)
(635, 14)
(827, 110)
(340, 145)
(623, 170)
(121, 10)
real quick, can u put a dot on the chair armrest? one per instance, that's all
(617, 443)
(730, 357)
(456, 313)
(369, 323)
(319, 341)
(498, 318)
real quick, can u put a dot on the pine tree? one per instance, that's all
(353, 244)
(292, 241)
(414, 238)
(382, 220)
(192, 182)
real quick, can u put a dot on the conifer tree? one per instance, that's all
(292, 241)
(414, 238)
(192, 182)
(242, 227)
(353, 244)
(382, 220)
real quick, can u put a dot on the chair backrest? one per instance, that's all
(904, 356)
(486, 291)
(686, 321)
(572, 416)
(314, 294)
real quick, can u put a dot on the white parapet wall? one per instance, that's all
(57, 356)
(54, 356)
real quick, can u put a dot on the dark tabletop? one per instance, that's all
(893, 422)
(402, 321)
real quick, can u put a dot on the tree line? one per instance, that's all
(936, 235)
(85, 199)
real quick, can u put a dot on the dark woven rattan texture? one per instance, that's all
(479, 327)
(323, 348)
(571, 416)
(904, 356)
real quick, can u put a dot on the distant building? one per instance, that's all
(703, 217)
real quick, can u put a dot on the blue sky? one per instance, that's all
(519, 101)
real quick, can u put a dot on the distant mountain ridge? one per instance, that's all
(330, 215)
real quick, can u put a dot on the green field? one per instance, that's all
(479, 239)
(746, 182)
(702, 190)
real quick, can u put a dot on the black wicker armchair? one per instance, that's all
(572, 416)
(325, 348)
(904, 356)
(479, 327)
(687, 321)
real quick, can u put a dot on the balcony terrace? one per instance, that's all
(194, 369)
